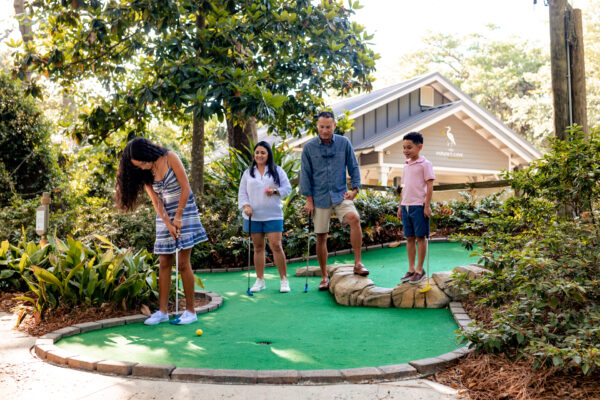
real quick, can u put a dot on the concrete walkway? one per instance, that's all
(24, 376)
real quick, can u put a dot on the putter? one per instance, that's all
(176, 320)
(248, 292)
(427, 287)
(307, 256)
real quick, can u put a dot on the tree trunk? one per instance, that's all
(558, 58)
(578, 73)
(25, 22)
(197, 172)
(239, 136)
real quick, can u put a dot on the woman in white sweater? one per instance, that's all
(263, 186)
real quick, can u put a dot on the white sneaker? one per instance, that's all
(285, 286)
(187, 318)
(258, 286)
(156, 318)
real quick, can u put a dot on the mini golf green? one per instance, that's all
(296, 330)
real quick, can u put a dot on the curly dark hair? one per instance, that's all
(131, 179)
(271, 167)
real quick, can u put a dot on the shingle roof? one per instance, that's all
(405, 125)
(362, 99)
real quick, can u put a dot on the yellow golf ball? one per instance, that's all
(199, 332)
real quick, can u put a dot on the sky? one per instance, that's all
(400, 25)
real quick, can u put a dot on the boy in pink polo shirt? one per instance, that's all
(415, 204)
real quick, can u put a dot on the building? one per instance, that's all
(464, 142)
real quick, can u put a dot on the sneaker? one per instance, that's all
(285, 286)
(407, 277)
(417, 277)
(187, 318)
(258, 286)
(156, 318)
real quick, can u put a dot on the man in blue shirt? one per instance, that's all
(325, 160)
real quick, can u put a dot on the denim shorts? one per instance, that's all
(414, 221)
(275, 225)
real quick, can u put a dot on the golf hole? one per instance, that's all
(266, 343)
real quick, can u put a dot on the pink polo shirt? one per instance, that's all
(414, 180)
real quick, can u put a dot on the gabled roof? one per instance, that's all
(398, 131)
(481, 120)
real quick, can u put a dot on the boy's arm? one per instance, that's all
(399, 213)
(428, 195)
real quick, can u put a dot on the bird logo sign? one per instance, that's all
(450, 140)
(450, 144)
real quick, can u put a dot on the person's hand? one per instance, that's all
(270, 192)
(350, 195)
(248, 210)
(309, 207)
(427, 210)
(178, 222)
(174, 231)
(399, 213)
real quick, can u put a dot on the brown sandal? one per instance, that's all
(324, 285)
(362, 271)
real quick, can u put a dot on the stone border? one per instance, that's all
(45, 349)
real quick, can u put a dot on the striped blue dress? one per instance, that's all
(192, 231)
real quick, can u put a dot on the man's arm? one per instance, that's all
(353, 170)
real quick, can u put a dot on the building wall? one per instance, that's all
(388, 116)
(469, 150)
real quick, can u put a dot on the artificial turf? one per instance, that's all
(296, 330)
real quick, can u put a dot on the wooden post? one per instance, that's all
(41, 218)
(558, 58)
(578, 89)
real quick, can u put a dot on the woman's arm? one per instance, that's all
(243, 198)
(182, 178)
(285, 188)
(161, 211)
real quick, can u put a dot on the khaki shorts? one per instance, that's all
(322, 215)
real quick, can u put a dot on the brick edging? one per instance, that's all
(45, 349)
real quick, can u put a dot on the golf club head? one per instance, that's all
(175, 320)
(306, 288)
(426, 289)
(249, 293)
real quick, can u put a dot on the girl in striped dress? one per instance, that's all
(145, 165)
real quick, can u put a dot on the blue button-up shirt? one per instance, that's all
(323, 170)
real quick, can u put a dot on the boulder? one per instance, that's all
(375, 296)
(403, 295)
(444, 281)
(345, 286)
(473, 270)
(348, 287)
(312, 271)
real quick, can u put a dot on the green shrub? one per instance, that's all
(68, 273)
(27, 165)
(544, 265)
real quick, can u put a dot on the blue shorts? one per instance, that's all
(414, 221)
(275, 225)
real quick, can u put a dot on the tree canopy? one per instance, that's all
(271, 59)
(510, 78)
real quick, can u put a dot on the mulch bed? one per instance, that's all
(64, 317)
(492, 377)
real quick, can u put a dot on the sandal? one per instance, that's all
(362, 271)
(324, 285)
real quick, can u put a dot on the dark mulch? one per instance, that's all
(491, 377)
(64, 317)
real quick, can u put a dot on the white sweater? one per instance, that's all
(252, 192)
